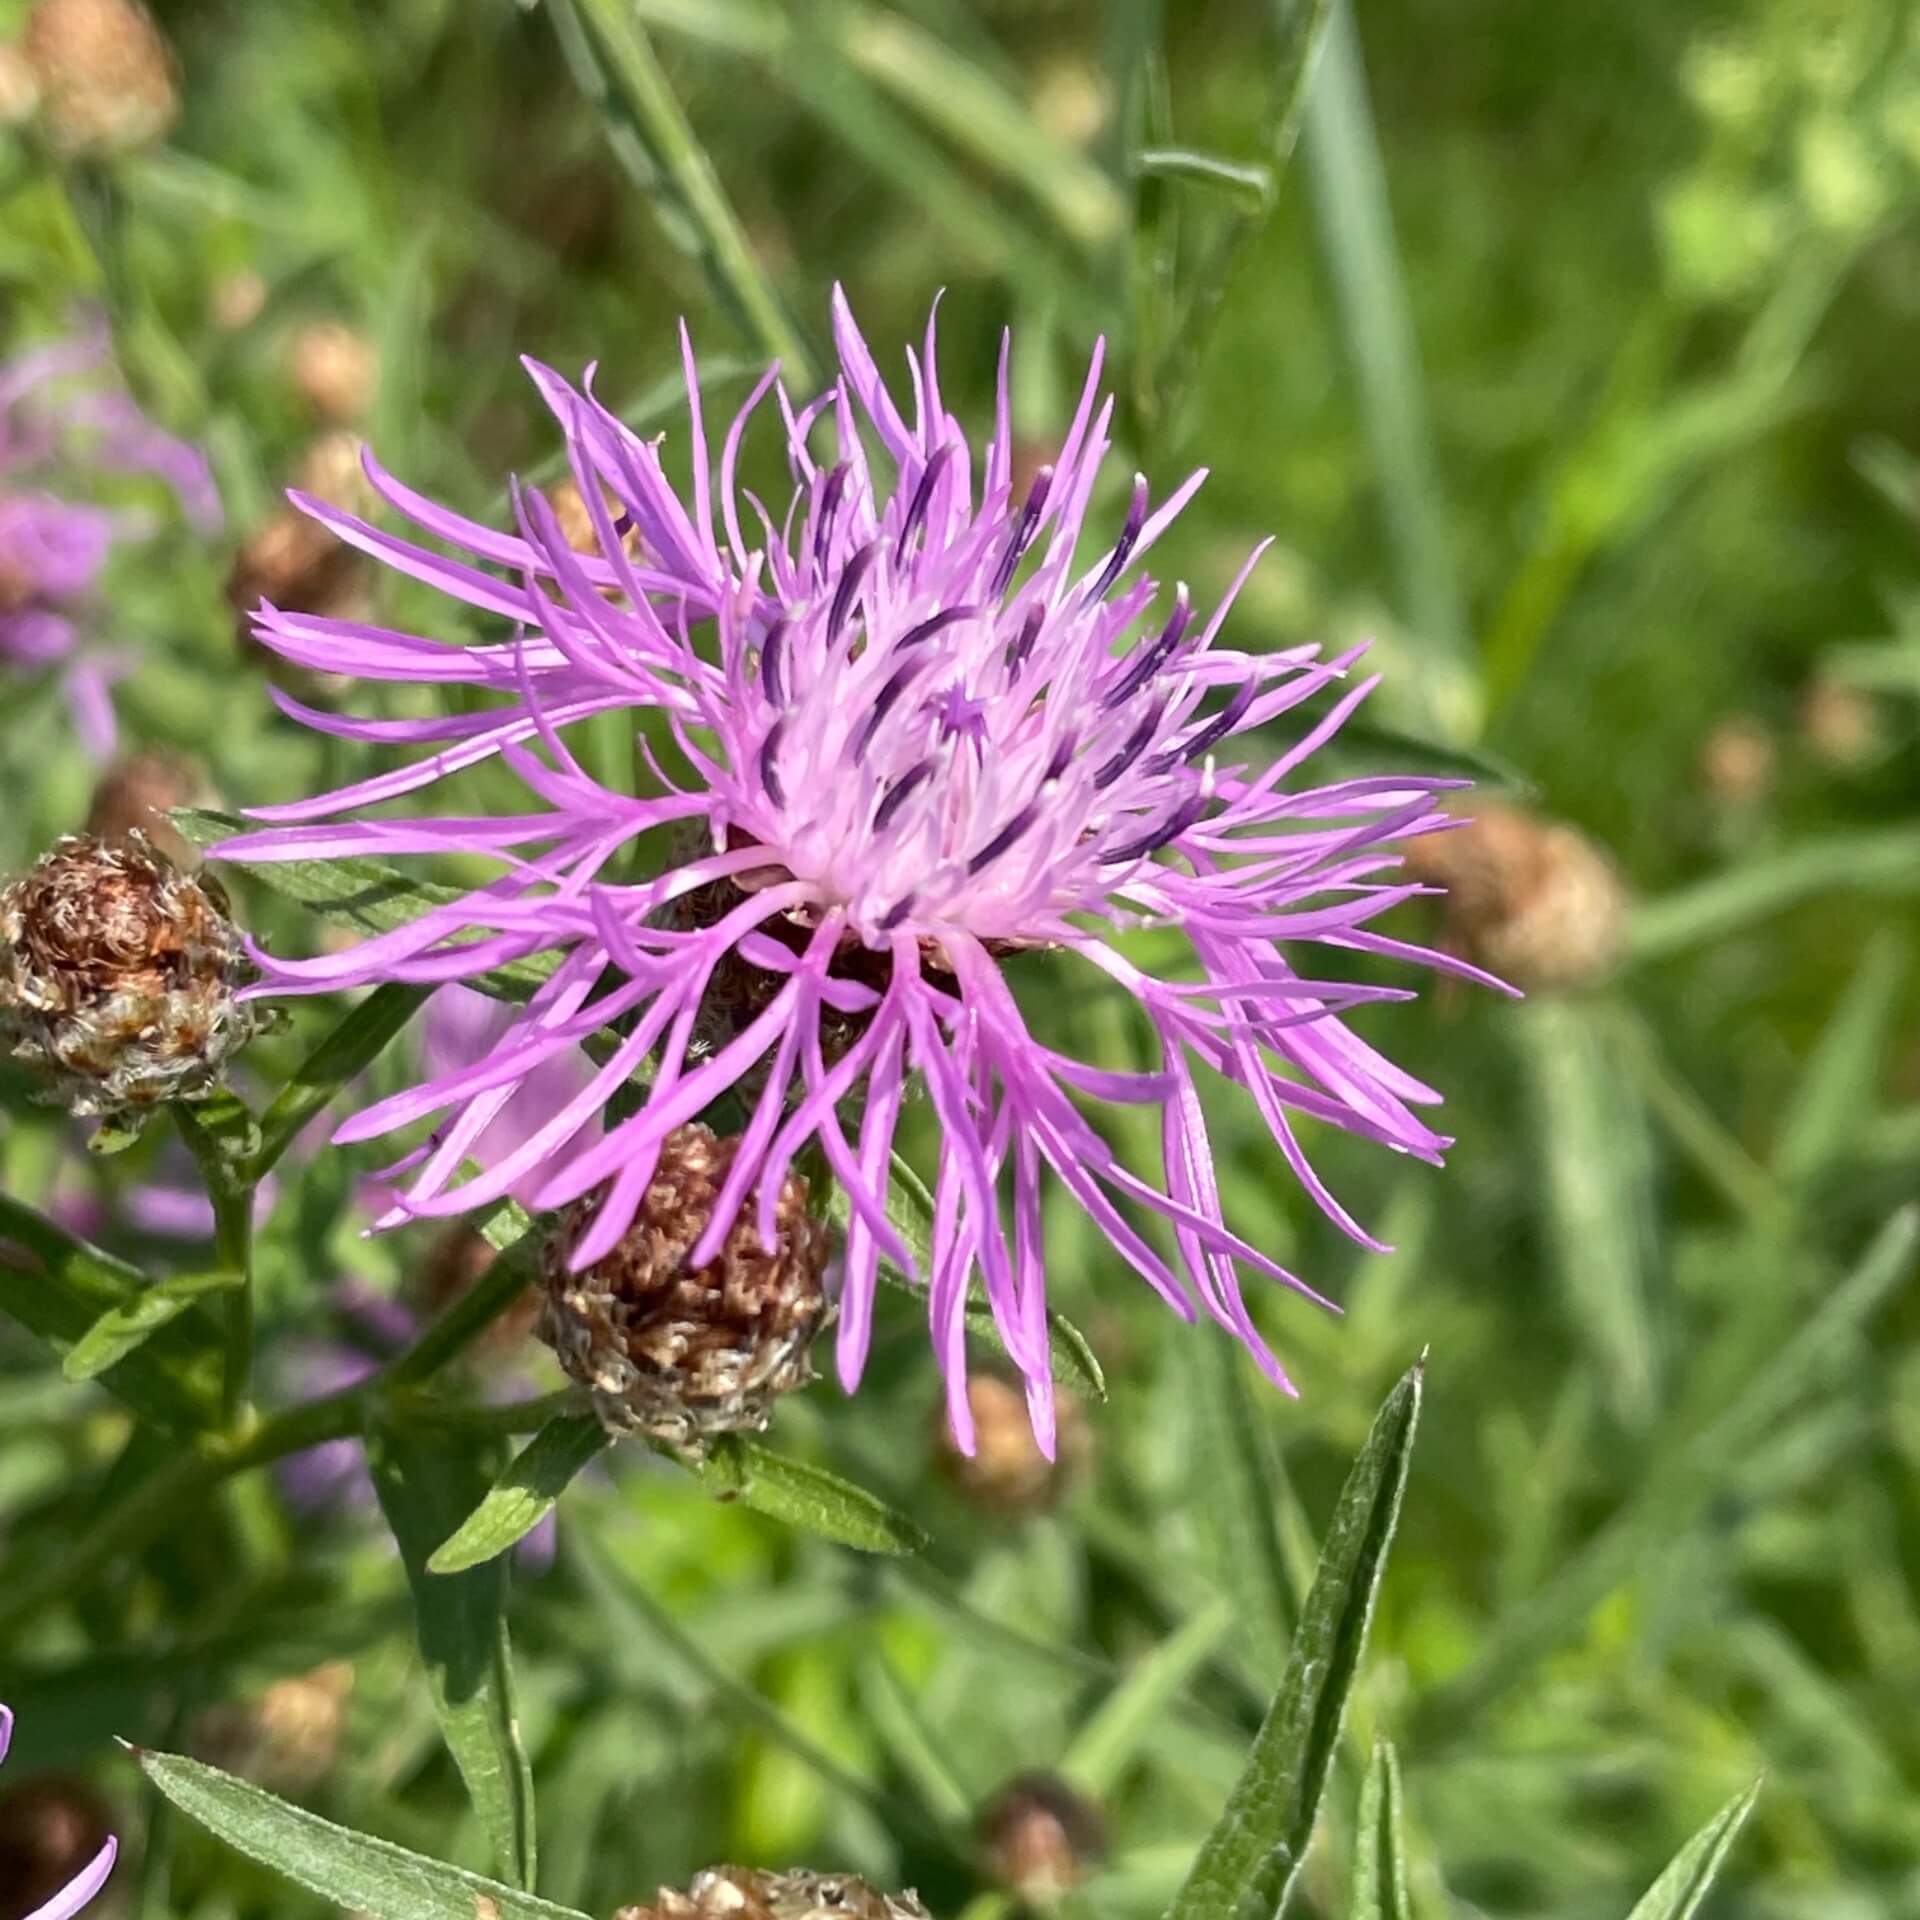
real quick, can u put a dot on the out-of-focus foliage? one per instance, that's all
(1568, 354)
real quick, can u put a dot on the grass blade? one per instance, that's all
(353, 1872)
(1248, 1863)
(1842, 1079)
(1678, 1893)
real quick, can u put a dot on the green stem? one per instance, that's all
(634, 71)
(230, 1187)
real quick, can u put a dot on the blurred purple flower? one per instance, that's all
(925, 735)
(78, 1892)
(63, 416)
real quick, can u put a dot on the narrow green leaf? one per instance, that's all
(367, 894)
(120, 1330)
(918, 1754)
(352, 1872)
(1678, 1893)
(337, 1057)
(525, 1494)
(1125, 1722)
(1842, 1082)
(1236, 1500)
(1380, 1844)
(910, 1210)
(171, 1377)
(1248, 1863)
(1251, 187)
(1884, 861)
(806, 1497)
(1597, 1180)
(426, 1489)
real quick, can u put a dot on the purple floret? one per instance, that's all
(927, 732)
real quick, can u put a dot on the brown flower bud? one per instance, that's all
(1532, 900)
(679, 1354)
(453, 1264)
(744, 1893)
(118, 975)
(1841, 725)
(19, 88)
(238, 298)
(1007, 1474)
(1039, 1838)
(288, 1738)
(335, 369)
(49, 1829)
(1738, 762)
(106, 76)
(135, 795)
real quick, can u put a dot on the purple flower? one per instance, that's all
(59, 416)
(926, 734)
(81, 1889)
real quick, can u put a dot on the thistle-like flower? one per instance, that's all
(925, 737)
(80, 1890)
(119, 975)
(62, 421)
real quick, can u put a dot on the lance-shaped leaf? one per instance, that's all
(426, 1489)
(1678, 1893)
(1248, 1863)
(1380, 1844)
(121, 1329)
(808, 1498)
(350, 1871)
(525, 1494)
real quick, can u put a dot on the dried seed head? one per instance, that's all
(680, 1354)
(1007, 1474)
(106, 77)
(1738, 762)
(744, 1893)
(335, 370)
(1533, 900)
(288, 1738)
(135, 795)
(1039, 1838)
(49, 1829)
(118, 975)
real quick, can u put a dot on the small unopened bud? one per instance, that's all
(454, 1263)
(744, 1893)
(106, 76)
(238, 298)
(335, 370)
(1738, 762)
(287, 1739)
(684, 1354)
(135, 795)
(1532, 900)
(19, 89)
(118, 975)
(49, 1829)
(1039, 1838)
(1007, 1474)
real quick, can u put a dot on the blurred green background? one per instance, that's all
(1572, 355)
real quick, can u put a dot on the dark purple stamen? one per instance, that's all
(1022, 536)
(1216, 730)
(831, 489)
(769, 774)
(1136, 745)
(772, 682)
(896, 795)
(882, 704)
(1005, 838)
(1129, 539)
(1063, 753)
(1151, 659)
(851, 580)
(896, 913)
(1023, 641)
(923, 493)
(624, 525)
(1171, 828)
(916, 636)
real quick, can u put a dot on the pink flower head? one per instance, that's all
(81, 1889)
(927, 733)
(61, 417)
